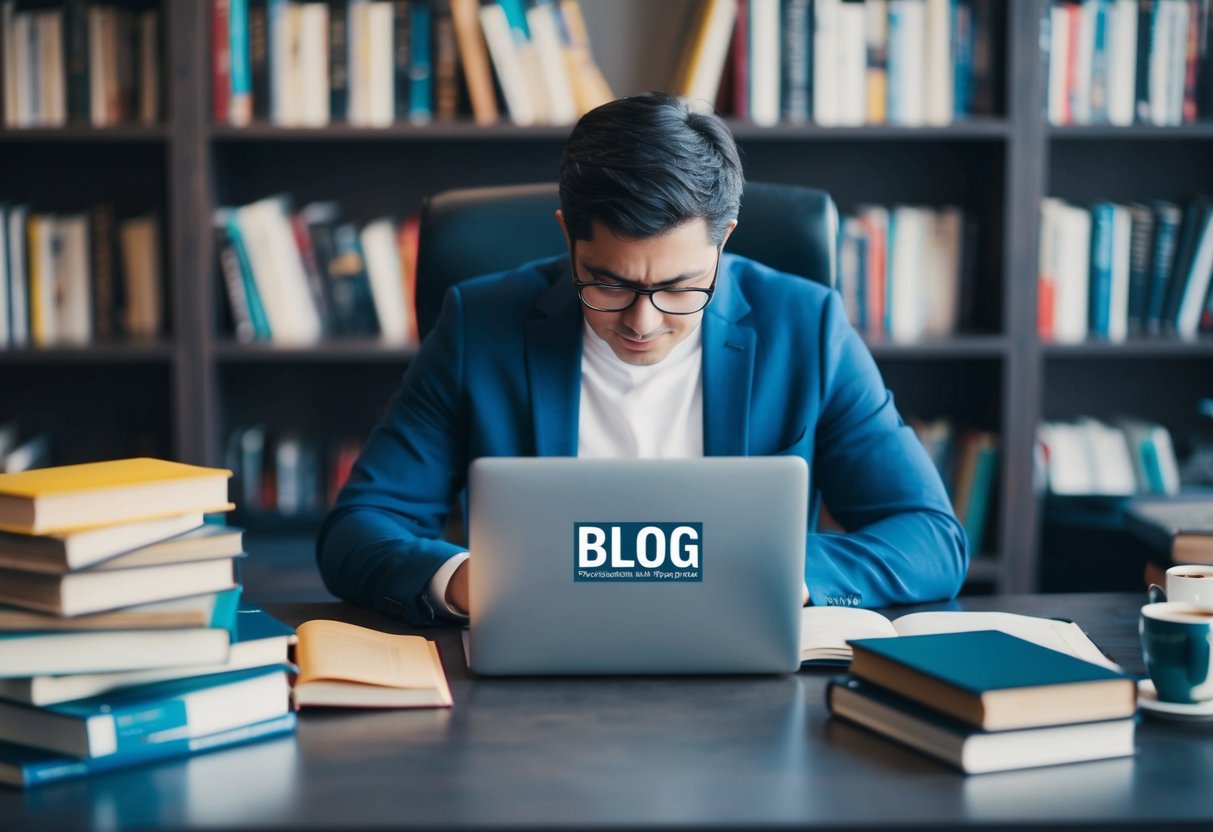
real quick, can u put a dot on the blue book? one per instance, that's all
(994, 681)
(242, 68)
(421, 75)
(21, 765)
(131, 720)
(962, 49)
(1098, 89)
(1100, 300)
(970, 749)
(256, 308)
(1167, 217)
(258, 640)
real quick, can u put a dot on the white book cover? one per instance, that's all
(765, 62)
(1160, 62)
(284, 54)
(1069, 467)
(1122, 62)
(23, 75)
(1118, 308)
(1109, 458)
(852, 61)
(7, 32)
(74, 322)
(379, 80)
(356, 57)
(825, 62)
(1072, 274)
(1177, 71)
(278, 271)
(5, 326)
(1080, 100)
(1059, 58)
(907, 50)
(313, 87)
(557, 86)
(507, 64)
(1197, 281)
(943, 309)
(54, 79)
(708, 69)
(906, 276)
(387, 280)
(18, 277)
(940, 73)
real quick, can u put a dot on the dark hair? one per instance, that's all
(645, 164)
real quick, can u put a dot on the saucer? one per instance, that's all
(1148, 701)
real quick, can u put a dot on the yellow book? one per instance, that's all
(72, 497)
(344, 665)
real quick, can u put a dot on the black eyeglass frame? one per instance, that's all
(581, 285)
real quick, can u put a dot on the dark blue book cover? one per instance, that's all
(1167, 217)
(420, 62)
(1100, 300)
(1141, 241)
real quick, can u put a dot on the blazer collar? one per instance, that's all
(728, 368)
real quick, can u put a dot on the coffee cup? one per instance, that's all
(1192, 584)
(1177, 644)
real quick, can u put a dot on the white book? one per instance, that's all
(356, 58)
(943, 299)
(707, 70)
(1072, 274)
(278, 271)
(825, 62)
(1046, 266)
(1177, 69)
(557, 86)
(940, 73)
(1150, 447)
(8, 33)
(907, 49)
(283, 59)
(1199, 276)
(17, 276)
(313, 69)
(1122, 62)
(765, 62)
(1069, 469)
(23, 70)
(1160, 62)
(852, 62)
(906, 296)
(34, 452)
(5, 327)
(1118, 308)
(387, 280)
(65, 551)
(381, 80)
(74, 312)
(53, 94)
(507, 64)
(1109, 457)
(1080, 101)
(1059, 57)
(139, 238)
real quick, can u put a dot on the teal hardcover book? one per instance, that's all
(170, 712)
(993, 680)
(24, 766)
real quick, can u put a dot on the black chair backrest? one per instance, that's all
(468, 232)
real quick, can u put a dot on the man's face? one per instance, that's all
(684, 257)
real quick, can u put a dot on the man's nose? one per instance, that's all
(643, 317)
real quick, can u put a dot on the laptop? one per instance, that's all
(636, 566)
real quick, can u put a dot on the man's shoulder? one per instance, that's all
(767, 290)
(521, 285)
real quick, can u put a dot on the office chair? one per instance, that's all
(468, 232)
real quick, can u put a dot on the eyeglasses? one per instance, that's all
(613, 297)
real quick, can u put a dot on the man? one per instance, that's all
(646, 340)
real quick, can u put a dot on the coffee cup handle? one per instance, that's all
(1156, 594)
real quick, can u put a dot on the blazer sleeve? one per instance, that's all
(904, 543)
(381, 543)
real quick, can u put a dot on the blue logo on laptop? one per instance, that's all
(637, 551)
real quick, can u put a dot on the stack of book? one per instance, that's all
(121, 636)
(986, 701)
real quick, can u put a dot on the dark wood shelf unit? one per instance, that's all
(201, 384)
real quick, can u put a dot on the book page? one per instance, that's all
(824, 631)
(345, 652)
(1062, 636)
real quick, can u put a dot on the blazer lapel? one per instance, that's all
(728, 372)
(553, 356)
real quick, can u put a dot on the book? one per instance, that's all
(825, 631)
(76, 593)
(86, 547)
(32, 653)
(26, 767)
(138, 719)
(343, 665)
(192, 611)
(971, 750)
(1181, 527)
(993, 680)
(73, 497)
(257, 640)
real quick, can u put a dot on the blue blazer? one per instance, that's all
(783, 373)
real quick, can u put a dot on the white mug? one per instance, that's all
(1191, 584)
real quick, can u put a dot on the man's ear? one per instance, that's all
(728, 232)
(560, 220)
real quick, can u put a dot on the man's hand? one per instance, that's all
(457, 589)
(804, 596)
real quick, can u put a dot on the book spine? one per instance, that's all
(76, 31)
(1166, 228)
(1142, 236)
(339, 77)
(420, 104)
(1100, 297)
(402, 43)
(962, 51)
(241, 103)
(446, 64)
(256, 307)
(259, 57)
(1145, 23)
(1098, 90)
(1191, 62)
(221, 61)
(796, 61)
(1185, 248)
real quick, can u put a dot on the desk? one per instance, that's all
(619, 752)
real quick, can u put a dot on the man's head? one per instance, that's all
(649, 192)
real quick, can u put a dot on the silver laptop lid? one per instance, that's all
(636, 566)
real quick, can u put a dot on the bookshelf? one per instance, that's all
(183, 394)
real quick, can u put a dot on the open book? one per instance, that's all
(343, 665)
(824, 631)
